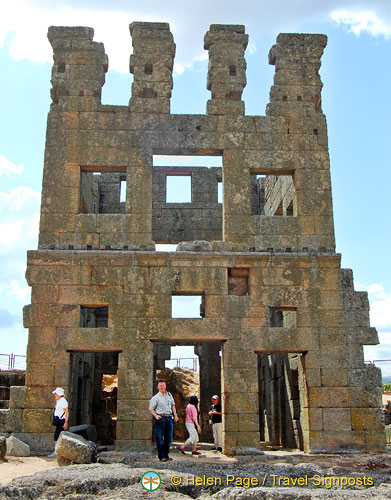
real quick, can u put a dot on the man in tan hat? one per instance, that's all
(217, 426)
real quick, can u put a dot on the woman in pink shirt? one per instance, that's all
(191, 425)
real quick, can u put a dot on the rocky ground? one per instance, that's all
(275, 475)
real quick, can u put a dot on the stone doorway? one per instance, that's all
(93, 392)
(209, 382)
(282, 402)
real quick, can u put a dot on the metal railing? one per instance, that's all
(12, 362)
(373, 361)
(190, 363)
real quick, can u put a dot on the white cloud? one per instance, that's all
(380, 305)
(362, 20)
(376, 290)
(10, 233)
(33, 231)
(19, 211)
(17, 198)
(21, 292)
(7, 168)
(380, 313)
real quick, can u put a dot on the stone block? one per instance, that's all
(40, 353)
(13, 421)
(73, 449)
(17, 396)
(367, 419)
(38, 397)
(312, 419)
(368, 376)
(125, 429)
(248, 423)
(375, 441)
(247, 402)
(337, 419)
(86, 431)
(334, 377)
(142, 429)
(17, 448)
(248, 440)
(231, 422)
(230, 442)
(40, 374)
(336, 441)
(37, 421)
(132, 410)
(3, 448)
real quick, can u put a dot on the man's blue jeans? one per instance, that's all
(164, 432)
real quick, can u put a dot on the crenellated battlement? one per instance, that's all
(79, 67)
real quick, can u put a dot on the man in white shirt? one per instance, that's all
(162, 407)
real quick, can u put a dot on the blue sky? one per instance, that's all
(356, 73)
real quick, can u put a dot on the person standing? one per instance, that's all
(217, 426)
(60, 416)
(191, 425)
(162, 407)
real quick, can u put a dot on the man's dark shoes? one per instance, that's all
(219, 449)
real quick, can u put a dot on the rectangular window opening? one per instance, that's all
(272, 195)
(94, 317)
(219, 192)
(187, 196)
(188, 306)
(282, 317)
(187, 160)
(122, 192)
(165, 247)
(238, 281)
(178, 189)
(102, 190)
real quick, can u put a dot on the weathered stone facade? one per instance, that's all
(275, 300)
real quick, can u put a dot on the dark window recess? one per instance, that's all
(232, 70)
(94, 317)
(148, 68)
(234, 95)
(276, 318)
(299, 97)
(238, 281)
(284, 97)
(202, 306)
(61, 67)
(149, 93)
(282, 317)
(315, 131)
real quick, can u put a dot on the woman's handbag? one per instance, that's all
(57, 420)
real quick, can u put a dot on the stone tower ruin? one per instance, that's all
(280, 329)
